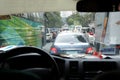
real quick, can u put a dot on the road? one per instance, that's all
(46, 48)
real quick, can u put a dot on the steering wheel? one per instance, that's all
(26, 50)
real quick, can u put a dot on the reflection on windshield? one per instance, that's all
(19, 31)
(70, 39)
(40, 29)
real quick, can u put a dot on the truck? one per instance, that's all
(107, 32)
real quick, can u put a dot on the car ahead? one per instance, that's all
(70, 43)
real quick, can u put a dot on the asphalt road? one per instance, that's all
(46, 48)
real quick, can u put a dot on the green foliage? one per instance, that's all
(77, 19)
(53, 19)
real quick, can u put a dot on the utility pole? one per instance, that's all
(45, 26)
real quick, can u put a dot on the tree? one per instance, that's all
(83, 20)
(53, 19)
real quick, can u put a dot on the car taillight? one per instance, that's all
(53, 50)
(91, 33)
(118, 46)
(98, 54)
(89, 50)
(94, 53)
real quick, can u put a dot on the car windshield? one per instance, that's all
(59, 39)
(40, 29)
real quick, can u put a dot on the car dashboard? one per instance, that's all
(70, 68)
(85, 69)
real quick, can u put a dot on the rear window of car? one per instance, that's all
(70, 39)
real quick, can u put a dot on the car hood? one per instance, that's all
(78, 56)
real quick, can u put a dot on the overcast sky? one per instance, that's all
(65, 13)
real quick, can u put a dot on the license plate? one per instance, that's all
(71, 52)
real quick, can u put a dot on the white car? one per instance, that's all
(48, 35)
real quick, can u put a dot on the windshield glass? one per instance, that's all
(41, 29)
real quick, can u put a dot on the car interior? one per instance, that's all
(29, 62)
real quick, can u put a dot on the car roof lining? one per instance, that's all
(23, 6)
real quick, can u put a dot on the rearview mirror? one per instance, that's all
(97, 5)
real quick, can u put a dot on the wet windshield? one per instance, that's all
(42, 29)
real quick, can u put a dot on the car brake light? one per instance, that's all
(94, 53)
(53, 50)
(89, 50)
(98, 54)
(91, 33)
(118, 46)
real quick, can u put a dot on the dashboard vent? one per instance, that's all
(93, 68)
(73, 69)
